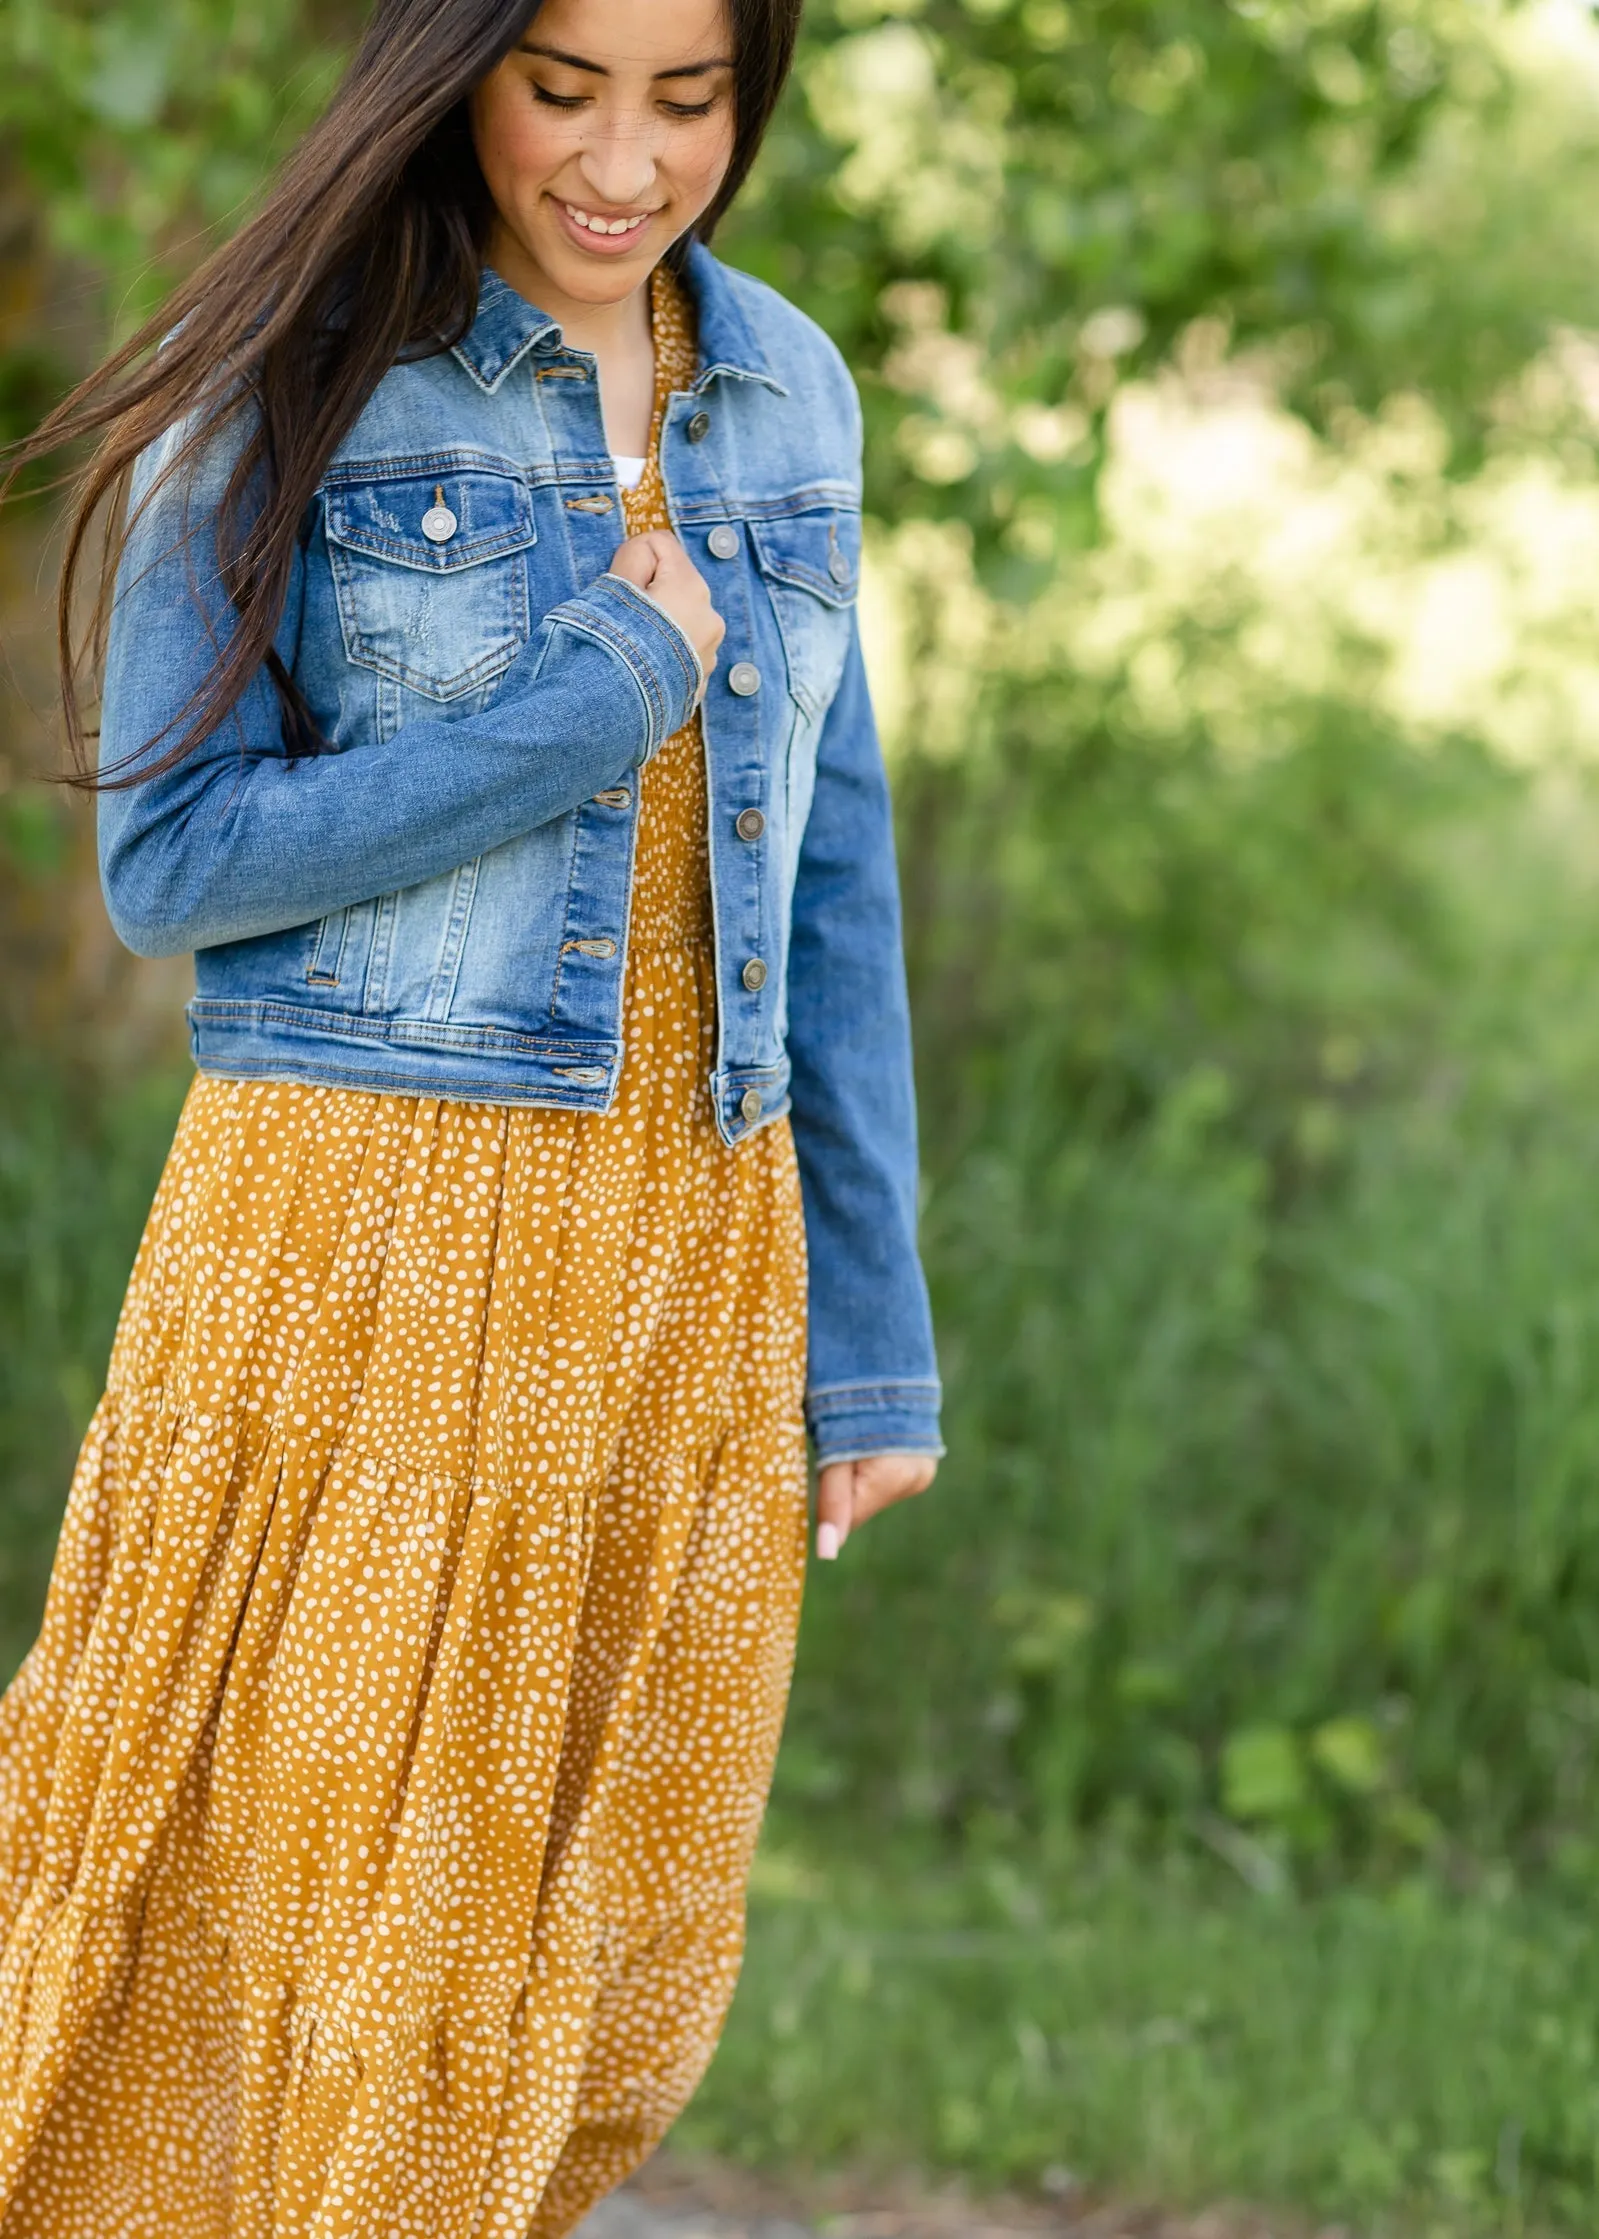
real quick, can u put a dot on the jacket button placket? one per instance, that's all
(591, 936)
(734, 755)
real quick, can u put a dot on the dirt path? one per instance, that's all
(679, 2199)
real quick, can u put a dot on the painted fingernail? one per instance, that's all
(827, 1542)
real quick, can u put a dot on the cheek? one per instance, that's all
(701, 160)
(517, 144)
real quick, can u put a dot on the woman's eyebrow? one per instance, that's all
(598, 69)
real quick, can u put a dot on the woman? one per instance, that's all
(483, 703)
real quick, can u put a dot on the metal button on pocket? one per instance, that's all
(744, 678)
(723, 541)
(838, 566)
(438, 522)
(754, 975)
(749, 824)
(699, 427)
(749, 1106)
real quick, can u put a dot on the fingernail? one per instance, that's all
(827, 1542)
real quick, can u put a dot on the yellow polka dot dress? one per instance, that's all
(377, 1799)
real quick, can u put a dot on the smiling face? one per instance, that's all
(602, 137)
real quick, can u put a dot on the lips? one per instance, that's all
(605, 234)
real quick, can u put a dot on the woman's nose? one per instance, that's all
(618, 162)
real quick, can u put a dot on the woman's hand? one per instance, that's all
(847, 1493)
(658, 564)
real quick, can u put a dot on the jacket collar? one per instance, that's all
(507, 326)
(728, 342)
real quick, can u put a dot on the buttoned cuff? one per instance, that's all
(657, 654)
(852, 1422)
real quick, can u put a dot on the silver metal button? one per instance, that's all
(838, 566)
(438, 522)
(744, 678)
(754, 975)
(723, 541)
(749, 824)
(749, 1105)
(699, 427)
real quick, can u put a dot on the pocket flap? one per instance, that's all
(817, 552)
(474, 512)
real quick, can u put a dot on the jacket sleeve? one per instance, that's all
(240, 839)
(873, 1380)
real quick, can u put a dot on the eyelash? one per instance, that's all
(579, 101)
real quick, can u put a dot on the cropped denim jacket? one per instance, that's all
(438, 904)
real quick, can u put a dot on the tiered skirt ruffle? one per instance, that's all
(377, 1799)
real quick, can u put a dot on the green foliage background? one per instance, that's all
(1258, 1089)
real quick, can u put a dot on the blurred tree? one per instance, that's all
(1001, 207)
(142, 126)
(131, 135)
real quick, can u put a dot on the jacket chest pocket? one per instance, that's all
(811, 566)
(429, 561)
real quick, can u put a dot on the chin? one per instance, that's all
(584, 285)
(589, 280)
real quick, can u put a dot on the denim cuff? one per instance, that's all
(693, 650)
(851, 1422)
(658, 655)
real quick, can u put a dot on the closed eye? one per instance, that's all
(549, 100)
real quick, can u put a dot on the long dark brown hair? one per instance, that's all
(366, 249)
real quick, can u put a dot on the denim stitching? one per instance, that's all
(644, 606)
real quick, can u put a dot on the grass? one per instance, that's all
(1273, 1394)
(1286, 1517)
(1405, 2062)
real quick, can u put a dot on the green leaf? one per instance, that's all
(1263, 1774)
(1350, 1752)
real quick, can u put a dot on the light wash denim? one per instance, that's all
(438, 906)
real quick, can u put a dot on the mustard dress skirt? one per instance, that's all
(377, 1799)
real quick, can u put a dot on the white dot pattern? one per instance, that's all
(377, 1799)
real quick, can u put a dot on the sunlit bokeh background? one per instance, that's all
(1197, 1796)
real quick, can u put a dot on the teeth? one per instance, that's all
(604, 225)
